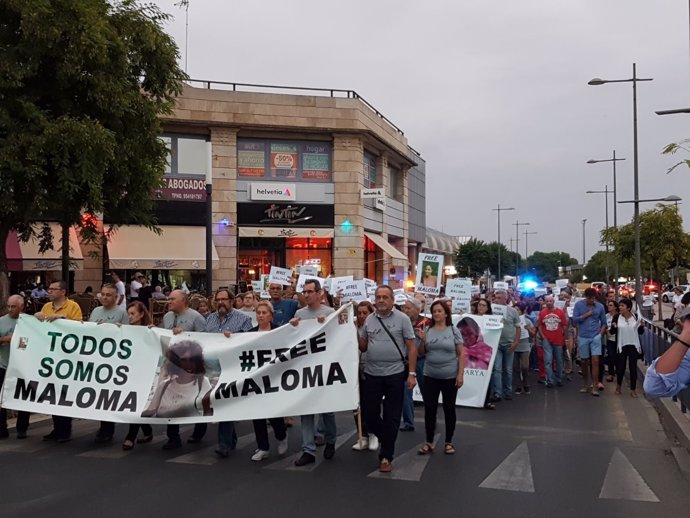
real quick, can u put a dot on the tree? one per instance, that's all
(83, 84)
(544, 265)
(476, 256)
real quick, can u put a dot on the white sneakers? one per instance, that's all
(283, 446)
(260, 455)
(370, 443)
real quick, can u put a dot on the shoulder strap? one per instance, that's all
(397, 348)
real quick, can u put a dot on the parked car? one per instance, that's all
(598, 285)
(667, 296)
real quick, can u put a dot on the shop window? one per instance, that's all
(395, 184)
(369, 171)
(187, 155)
(309, 252)
(288, 160)
(373, 260)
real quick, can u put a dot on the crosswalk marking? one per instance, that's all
(514, 473)
(207, 456)
(624, 482)
(35, 443)
(288, 463)
(115, 451)
(409, 466)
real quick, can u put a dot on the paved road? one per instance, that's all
(554, 452)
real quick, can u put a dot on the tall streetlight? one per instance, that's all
(498, 210)
(636, 178)
(526, 249)
(583, 243)
(517, 242)
(613, 160)
(606, 192)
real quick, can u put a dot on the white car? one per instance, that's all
(668, 295)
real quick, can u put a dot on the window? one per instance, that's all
(395, 184)
(187, 155)
(369, 171)
(290, 160)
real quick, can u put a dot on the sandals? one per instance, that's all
(145, 439)
(127, 445)
(489, 406)
(449, 449)
(426, 449)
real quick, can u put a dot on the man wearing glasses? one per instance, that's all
(227, 320)
(59, 307)
(314, 309)
(108, 313)
(15, 305)
(178, 319)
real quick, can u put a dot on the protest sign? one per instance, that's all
(560, 304)
(122, 373)
(429, 271)
(460, 306)
(309, 269)
(354, 291)
(264, 286)
(474, 289)
(562, 283)
(370, 285)
(304, 278)
(539, 292)
(500, 285)
(498, 309)
(480, 335)
(338, 283)
(556, 291)
(280, 276)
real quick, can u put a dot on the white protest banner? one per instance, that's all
(498, 309)
(122, 374)
(304, 278)
(571, 307)
(480, 335)
(460, 306)
(257, 286)
(539, 292)
(459, 289)
(338, 283)
(560, 304)
(500, 285)
(556, 291)
(562, 283)
(309, 270)
(354, 291)
(280, 276)
(474, 289)
(429, 270)
(370, 285)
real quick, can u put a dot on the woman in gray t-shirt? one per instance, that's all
(443, 373)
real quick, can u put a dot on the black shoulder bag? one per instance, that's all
(404, 360)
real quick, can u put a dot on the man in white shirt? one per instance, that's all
(135, 285)
(120, 287)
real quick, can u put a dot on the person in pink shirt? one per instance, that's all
(552, 325)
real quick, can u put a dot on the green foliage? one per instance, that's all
(82, 86)
(673, 148)
(475, 256)
(544, 265)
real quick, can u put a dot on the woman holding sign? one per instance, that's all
(444, 368)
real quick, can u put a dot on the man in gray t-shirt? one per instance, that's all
(312, 293)
(109, 311)
(502, 375)
(386, 336)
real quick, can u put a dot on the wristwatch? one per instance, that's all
(413, 374)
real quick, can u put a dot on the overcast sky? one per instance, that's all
(493, 94)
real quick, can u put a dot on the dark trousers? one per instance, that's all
(261, 431)
(134, 431)
(611, 357)
(107, 429)
(173, 431)
(22, 417)
(386, 391)
(432, 388)
(62, 426)
(627, 355)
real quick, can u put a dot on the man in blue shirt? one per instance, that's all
(590, 318)
(283, 309)
(670, 372)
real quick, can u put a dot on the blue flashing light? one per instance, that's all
(530, 285)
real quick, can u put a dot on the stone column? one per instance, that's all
(348, 180)
(224, 164)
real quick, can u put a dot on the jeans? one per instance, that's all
(261, 431)
(387, 392)
(309, 430)
(550, 352)
(408, 403)
(22, 417)
(227, 437)
(502, 376)
(432, 388)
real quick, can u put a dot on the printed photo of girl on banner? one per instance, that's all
(429, 274)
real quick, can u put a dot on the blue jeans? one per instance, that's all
(408, 402)
(502, 376)
(551, 351)
(308, 431)
(227, 437)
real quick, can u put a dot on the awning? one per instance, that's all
(384, 245)
(26, 257)
(442, 243)
(176, 248)
(284, 232)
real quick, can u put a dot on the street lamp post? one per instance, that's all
(209, 219)
(498, 210)
(605, 192)
(526, 249)
(583, 243)
(613, 160)
(517, 242)
(636, 183)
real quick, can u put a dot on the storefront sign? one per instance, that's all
(284, 160)
(183, 188)
(285, 232)
(377, 192)
(272, 191)
(251, 158)
(285, 215)
(306, 161)
(380, 204)
(316, 161)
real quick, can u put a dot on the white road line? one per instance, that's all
(115, 450)
(624, 482)
(207, 456)
(35, 443)
(288, 463)
(514, 473)
(409, 466)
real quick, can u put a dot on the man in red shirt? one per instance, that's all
(553, 327)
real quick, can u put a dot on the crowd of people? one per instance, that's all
(401, 345)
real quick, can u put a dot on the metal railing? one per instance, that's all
(655, 341)
(332, 92)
